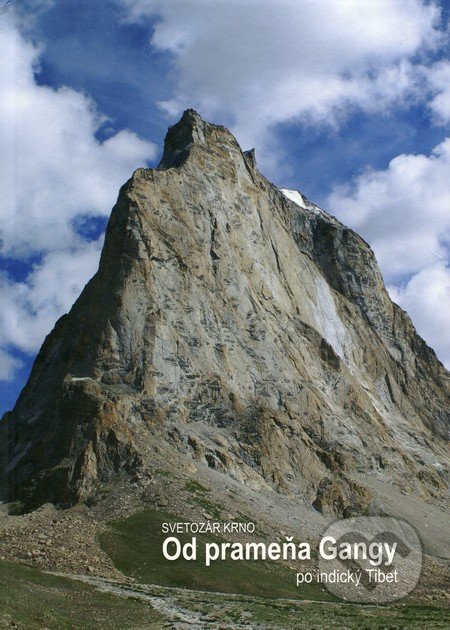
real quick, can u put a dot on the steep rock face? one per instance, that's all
(237, 327)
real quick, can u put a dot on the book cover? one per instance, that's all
(225, 300)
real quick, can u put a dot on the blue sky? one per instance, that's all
(348, 102)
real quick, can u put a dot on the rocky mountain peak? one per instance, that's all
(234, 328)
(180, 138)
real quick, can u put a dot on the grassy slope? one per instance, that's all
(34, 600)
(290, 615)
(135, 546)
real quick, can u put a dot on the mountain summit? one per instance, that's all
(234, 328)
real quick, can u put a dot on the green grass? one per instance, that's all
(34, 600)
(162, 473)
(195, 487)
(135, 546)
(310, 616)
(199, 496)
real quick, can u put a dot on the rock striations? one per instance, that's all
(236, 326)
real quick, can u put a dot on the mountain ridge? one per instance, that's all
(235, 329)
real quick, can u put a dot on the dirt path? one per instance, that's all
(166, 602)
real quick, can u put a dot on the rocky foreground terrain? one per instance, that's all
(235, 357)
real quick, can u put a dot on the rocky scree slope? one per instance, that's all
(229, 325)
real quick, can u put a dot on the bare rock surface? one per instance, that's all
(241, 334)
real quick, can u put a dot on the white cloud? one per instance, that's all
(426, 297)
(30, 309)
(8, 366)
(263, 62)
(404, 213)
(59, 169)
(439, 79)
(52, 170)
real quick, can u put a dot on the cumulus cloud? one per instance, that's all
(29, 309)
(8, 366)
(262, 62)
(439, 79)
(426, 297)
(53, 170)
(58, 168)
(404, 213)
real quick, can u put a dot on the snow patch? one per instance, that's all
(294, 196)
(328, 322)
(300, 200)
